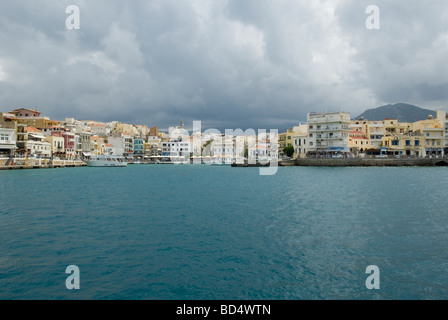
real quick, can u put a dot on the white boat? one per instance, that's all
(106, 161)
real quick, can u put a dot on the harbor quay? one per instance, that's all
(28, 163)
(356, 162)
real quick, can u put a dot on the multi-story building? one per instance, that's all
(359, 143)
(176, 148)
(69, 145)
(262, 149)
(82, 145)
(442, 117)
(97, 145)
(7, 141)
(285, 139)
(410, 144)
(33, 118)
(138, 146)
(328, 132)
(36, 145)
(123, 144)
(223, 148)
(57, 145)
(299, 137)
(153, 147)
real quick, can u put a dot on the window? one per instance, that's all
(408, 142)
(417, 142)
(395, 142)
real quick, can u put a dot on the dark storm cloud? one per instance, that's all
(231, 64)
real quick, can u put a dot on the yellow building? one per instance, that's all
(359, 143)
(410, 144)
(421, 139)
(57, 145)
(97, 145)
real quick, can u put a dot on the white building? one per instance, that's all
(178, 148)
(123, 144)
(7, 141)
(36, 145)
(443, 118)
(329, 132)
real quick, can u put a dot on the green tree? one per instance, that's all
(289, 151)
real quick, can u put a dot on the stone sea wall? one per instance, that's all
(358, 162)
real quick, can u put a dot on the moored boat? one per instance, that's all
(106, 161)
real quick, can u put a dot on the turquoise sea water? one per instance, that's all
(217, 232)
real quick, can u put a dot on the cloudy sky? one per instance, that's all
(229, 63)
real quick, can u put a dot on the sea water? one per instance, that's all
(217, 232)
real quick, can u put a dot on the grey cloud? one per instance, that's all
(231, 64)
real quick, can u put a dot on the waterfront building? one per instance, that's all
(297, 138)
(285, 139)
(359, 143)
(97, 145)
(223, 147)
(123, 143)
(138, 146)
(57, 145)
(7, 141)
(262, 147)
(442, 116)
(153, 146)
(374, 130)
(410, 144)
(177, 143)
(36, 145)
(328, 132)
(433, 130)
(176, 148)
(300, 144)
(82, 145)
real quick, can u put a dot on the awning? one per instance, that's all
(86, 154)
(7, 146)
(36, 135)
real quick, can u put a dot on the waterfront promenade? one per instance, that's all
(33, 163)
(356, 162)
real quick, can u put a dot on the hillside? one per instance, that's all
(402, 111)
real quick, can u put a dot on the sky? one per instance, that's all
(261, 64)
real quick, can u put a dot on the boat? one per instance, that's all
(106, 161)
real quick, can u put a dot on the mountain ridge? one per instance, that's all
(403, 112)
